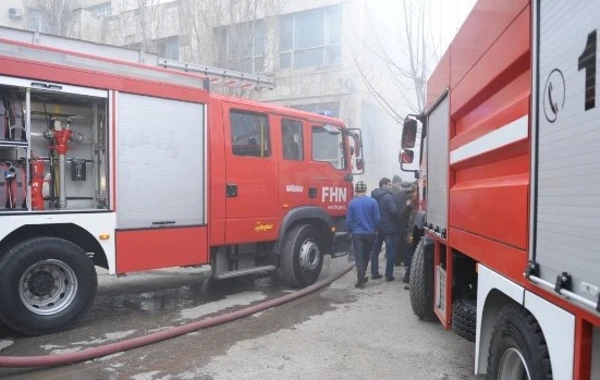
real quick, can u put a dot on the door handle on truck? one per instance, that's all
(231, 190)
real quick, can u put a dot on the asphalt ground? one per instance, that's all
(337, 333)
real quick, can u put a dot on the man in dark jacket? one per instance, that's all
(400, 192)
(386, 230)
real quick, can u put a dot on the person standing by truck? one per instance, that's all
(386, 230)
(410, 212)
(362, 219)
(400, 191)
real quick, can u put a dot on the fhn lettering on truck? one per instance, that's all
(333, 195)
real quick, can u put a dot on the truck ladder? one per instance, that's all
(207, 74)
(222, 76)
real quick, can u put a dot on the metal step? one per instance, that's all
(339, 254)
(244, 272)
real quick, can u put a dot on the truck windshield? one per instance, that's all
(328, 148)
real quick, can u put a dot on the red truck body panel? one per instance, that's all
(487, 71)
(489, 80)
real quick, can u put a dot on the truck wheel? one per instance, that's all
(46, 285)
(464, 318)
(301, 257)
(421, 282)
(518, 349)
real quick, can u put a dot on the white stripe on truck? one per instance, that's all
(503, 136)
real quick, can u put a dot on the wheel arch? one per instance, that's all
(67, 231)
(493, 293)
(557, 325)
(308, 215)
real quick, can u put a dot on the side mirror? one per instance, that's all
(356, 150)
(357, 144)
(407, 156)
(409, 133)
(360, 164)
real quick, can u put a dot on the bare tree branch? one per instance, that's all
(407, 64)
(56, 15)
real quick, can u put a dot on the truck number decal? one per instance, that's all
(333, 194)
(587, 62)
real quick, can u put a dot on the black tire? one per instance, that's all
(464, 318)
(291, 268)
(516, 330)
(70, 263)
(421, 282)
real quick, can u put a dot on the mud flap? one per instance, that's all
(341, 245)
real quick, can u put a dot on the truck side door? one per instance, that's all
(251, 175)
(294, 172)
(329, 168)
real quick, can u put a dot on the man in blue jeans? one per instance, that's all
(361, 223)
(387, 230)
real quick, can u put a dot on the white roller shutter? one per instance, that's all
(566, 137)
(438, 129)
(160, 170)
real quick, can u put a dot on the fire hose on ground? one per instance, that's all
(113, 348)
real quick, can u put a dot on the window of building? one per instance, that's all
(250, 134)
(101, 10)
(327, 147)
(311, 38)
(37, 21)
(168, 47)
(241, 46)
(333, 108)
(293, 144)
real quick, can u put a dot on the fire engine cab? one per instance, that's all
(133, 166)
(509, 154)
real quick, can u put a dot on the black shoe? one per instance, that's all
(365, 279)
(359, 285)
(376, 276)
(389, 279)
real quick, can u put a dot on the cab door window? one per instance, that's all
(328, 147)
(292, 140)
(250, 134)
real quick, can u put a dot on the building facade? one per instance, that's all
(311, 47)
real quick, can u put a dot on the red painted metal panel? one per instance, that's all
(504, 106)
(495, 208)
(216, 173)
(583, 349)
(504, 61)
(500, 257)
(139, 250)
(439, 79)
(487, 21)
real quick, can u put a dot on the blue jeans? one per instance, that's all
(390, 253)
(362, 244)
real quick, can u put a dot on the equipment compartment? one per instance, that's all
(53, 148)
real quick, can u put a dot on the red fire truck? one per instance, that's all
(508, 257)
(133, 166)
